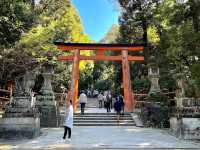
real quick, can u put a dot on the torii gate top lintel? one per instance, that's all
(99, 46)
(100, 49)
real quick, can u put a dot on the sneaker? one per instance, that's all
(61, 141)
(69, 139)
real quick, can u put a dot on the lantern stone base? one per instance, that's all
(49, 113)
(20, 119)
(186, 128)
(19, 128)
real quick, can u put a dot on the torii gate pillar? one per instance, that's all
(74, 79)
(128, 98)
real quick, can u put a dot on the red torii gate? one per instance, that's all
(100, 49)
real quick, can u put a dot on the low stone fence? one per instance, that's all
(140, 104)
(191, 102)
(185, 118)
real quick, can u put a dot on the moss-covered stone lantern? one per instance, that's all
(153, 75)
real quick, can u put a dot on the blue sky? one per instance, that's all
(97, 16)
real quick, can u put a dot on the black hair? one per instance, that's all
(70, 101)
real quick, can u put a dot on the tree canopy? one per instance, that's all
(170, 32)
(54, 20)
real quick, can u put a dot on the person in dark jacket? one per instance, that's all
(121, 99)
(118, 108)
(108, 103)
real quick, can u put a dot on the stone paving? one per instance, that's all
(102, 138)
(96, 137)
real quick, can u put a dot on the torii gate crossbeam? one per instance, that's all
(101, 48)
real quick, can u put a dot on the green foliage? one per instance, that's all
(191, 89)
(16, 17)
(158, 97)
(86, 77)
(172, 33)
(181, 38)
(59, 21)
(196, 73)
(56, 20)
(103, 76)
(155, 115)
(141, 85)
(167, 82)
(137, 26)
(102, 85)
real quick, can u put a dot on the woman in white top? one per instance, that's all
(68, 124)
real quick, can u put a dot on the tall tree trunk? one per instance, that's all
(195, 14)
(144, 27)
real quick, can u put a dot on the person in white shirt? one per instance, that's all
(68, 124)
(82, 100)
(100, 99)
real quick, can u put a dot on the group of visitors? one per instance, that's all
(105, 100)
(92, 93)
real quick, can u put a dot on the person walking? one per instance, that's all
(118, 108)
(108, 104)
(82, 100)
(104, 101)
(121, 99)
(68, 124)
(100, 99)
(110, 97)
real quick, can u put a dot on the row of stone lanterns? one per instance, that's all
(22, 118)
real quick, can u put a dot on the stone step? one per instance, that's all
(100, 121)
(104, 124)
(122, 120)
(99, 115)
(101, 118)
(111, 113)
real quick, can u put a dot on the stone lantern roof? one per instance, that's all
(152, 62)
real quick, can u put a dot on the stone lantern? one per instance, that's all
(20, 120)
(153, 75)
(180, 92)
(49, 111)
(47, 73)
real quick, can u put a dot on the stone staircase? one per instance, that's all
(102, 119)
